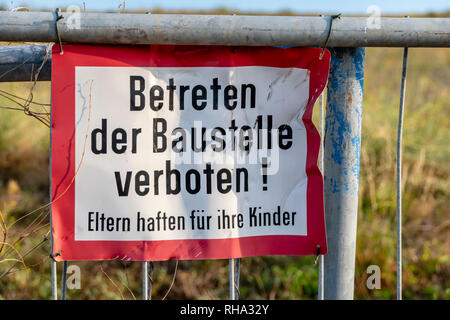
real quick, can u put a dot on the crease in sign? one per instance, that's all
(57, 196)
(84, 103)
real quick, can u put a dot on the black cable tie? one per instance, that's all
(317, 255)
(52, 256)
(337, 16)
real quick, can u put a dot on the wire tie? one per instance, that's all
(58, 17)
(337, 16)
(52, 256)
(317, 255)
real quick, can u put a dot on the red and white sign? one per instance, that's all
(186, 152)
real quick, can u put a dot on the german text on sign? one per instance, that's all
(162, 152)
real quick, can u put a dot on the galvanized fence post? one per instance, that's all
(53, 266)
(341, 169)
(54, 269)
(320, 291)
(234, 270)
(147, 271)
(144, 280)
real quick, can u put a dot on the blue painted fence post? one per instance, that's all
(341, 169)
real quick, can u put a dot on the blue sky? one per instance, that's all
(298, 6)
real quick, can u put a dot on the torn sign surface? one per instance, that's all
(186, 152)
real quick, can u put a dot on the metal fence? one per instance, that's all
(345, 36)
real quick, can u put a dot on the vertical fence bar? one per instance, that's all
(54, 275)
(399, 175)
(234, 269)
(320, 293)
(147, 272)
(144, 280)
(53, 267)
(341, 169)
(150, 279)
(64, 281)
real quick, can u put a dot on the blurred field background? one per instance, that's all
(24, 185)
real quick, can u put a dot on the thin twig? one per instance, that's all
(21, 98)
(18, 66)
(23, 236)
(23, 257)
(18, 253)
(46, 257)
(76, 171)
(126, 286)
(5, 230)
(36, 77)
(10, 108)
(25, 233)
(12, 246)
(28, 267)
(117, 287)
(173, 281)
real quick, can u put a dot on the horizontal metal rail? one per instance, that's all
(21, 63)
(113, 28)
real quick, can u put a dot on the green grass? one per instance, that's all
(24, 186)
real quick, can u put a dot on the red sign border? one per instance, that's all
(63, 165)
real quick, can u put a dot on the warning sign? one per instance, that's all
(180, 152)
